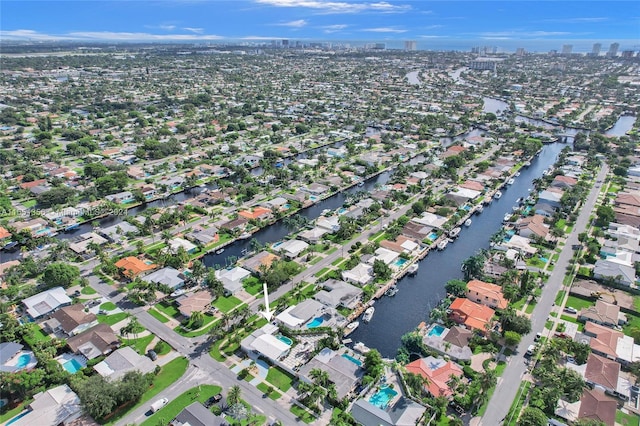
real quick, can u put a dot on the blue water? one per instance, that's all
(3, 402)
(353, 360)
(342, 210)
(382, 397)
(18, 417)
(23, 361)
(313, 198)
(72, 366)
(544, 259)
(400, 262)
(317, 322)
(284, 339)
(278, 244)
(432, 236)
(437, 330)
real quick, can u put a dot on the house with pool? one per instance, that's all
(54, 407)
(268, 343)
(452, 342)
(344, 371)
(13, 358)
(310, 314)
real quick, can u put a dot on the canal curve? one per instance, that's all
(395, 316)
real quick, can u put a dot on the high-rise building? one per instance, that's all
(627, 53)
(567, 49)
(380, 46)
(520, 51)
(410, 45)
(613, 50)
(475, 49)
(285, 43)
(595, 51)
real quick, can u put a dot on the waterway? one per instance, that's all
(622, 126)
(395, 316)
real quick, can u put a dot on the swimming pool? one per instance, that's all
(400, 262)
(317, 322)
(18, 417)
(381, 398)
(352, 359)
(342, 210)
(284, 339)
(436, 330)
(23, 360)
(276, 245)
(432, 236)
(72, 366)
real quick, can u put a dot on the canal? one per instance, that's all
(395, 316)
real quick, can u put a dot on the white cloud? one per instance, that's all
(167, 27)
(339, 6)
(29, 35)
(104, 35)
(522, 34)
(194, 30)
(294, 24)
(334, 28)
(384, 30)
(578, 20)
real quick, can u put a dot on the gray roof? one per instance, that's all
(45, 302)
(122, 361)
(8, 350)
(402, 413)
(336, 293)
(342, 372)
(167, 276)
(197, 414)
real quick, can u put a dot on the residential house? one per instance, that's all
(263, 342)
(121, 362)
(386, 256)
(550, 198)
(297, 316)
(532, 227)
(196, 414)
(12, 356)
(232, 279)
(313, 235)
(361, 274)
(177, 242)
(81, 245)
(437, 372)
(402, 412)
(259, 262)
(131, 266)
(402, 244)
(336, 293)
(486, 294)
(602, 313)
(563, 182)
(198, 301)
(461, 196)
(38, 227)
(343, 373)
(117, 233)
(330, 223)
(123, 197)
(168, 276)
(238, 224)
(414, 229)
(58, 406)
(431, 220)
(316, 189)
(46, 302)
(610, 269)
(609, 343)
(94, 342)
(71, 320)
(452, 342)
(291, 248)
(594, 404)
(602, 372)
(257, 213)
(474, 316)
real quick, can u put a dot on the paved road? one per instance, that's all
(510, 381)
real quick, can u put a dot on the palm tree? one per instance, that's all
(233, 396)
(319, 377)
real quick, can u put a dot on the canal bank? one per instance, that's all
(420, 293)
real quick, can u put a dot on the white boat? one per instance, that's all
(352, 325)
(325, 212)
(413, 268)
(454, 232)
(527, 164)
(506, 217)
(391, 291)
(361, 347)
(515, 208)
(220, 251)
(479, 209)
(497, 195)
(244, 235)
(442, 244)
(368, 314)
(467, 222)
(510, 181)
(360, 183)
(517, 174)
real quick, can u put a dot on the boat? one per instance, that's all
(454, 232)
(515, 208)
(517, 174)
(360, 183)
(361, 347)
(413, 268)
(352, 325)
(507, 217)
(220, 251)
(467, 222)
(527, 163)
(391, 291)
(442, 244)
(244, 236)
(325, 212)
(368, 314)
(511, 181)
(479, 209)
(497, 195)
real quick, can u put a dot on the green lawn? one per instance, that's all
(169, 310)
(252, 285)
(209, 322)
(157, 315)
(560, 297)
(36, 335)
(531, 306)
(302, 414)
(578, 303)
(171, 372)
(162, 347)
(112, 319)
(172, 409)
(337, 261)
(140, 345)
(514, 411)
(269, 390)
(279, 378)
(14, 412)
(108, 306)
(321, 272)
(88, 290)
(633, 321)
(627, 419)
(225, 304)
(29, 203)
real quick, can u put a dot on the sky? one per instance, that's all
(440, 25)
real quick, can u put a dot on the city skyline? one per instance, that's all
(447, 25)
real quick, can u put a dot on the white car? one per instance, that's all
(570, 310)
(159, 404)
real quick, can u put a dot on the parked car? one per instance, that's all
(159, 404)
(213, 400)
(570, 310)
(152, 354)
(538, 337)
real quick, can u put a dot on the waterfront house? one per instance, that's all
(259, 262)
(316, 189)
(337, 293)
(452, 342)
(123, 197)
(81, 246)
(94, 342)
(71, 320)
(231, 279)
(343, 372)
(532, 226)
(551, 198)
(291, 248)
(177, 242)
(238, 224)
(602, 313)
(330, 223)
(257, 213)
(297, 316)
(313, 235)
(46, 302)
(121, 362)
(414, 229)
(386, 256)
(54, 407)
(402, 412)
(437, 373)
(361, 274)
(486, 294)
(563, 182)
(117, 233)
(402, 244)
(473, 315)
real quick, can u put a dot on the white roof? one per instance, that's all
(122, 361)
(56, 406)
(270, 346)
(293, 247)
(521, 243)
(236, 274)
(181, 242)
(43, 303)
(362, 273)
(430, 219)
(465, 193)
(386, 255)
(410, 245)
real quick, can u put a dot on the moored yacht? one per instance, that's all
(454, 232)
(352, 325)
(391, 291)
(511, 181)
(413, 268)
(467, 222)
(442, 244)
(497, 195)
(368, 314)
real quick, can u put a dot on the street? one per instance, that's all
(509, 382)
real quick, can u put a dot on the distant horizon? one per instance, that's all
(537, 26)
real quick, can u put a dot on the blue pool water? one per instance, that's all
(72, 366)
(313, 198)
(353, 360)
(23, 361)
(3, 402)
(511, 232)
(400, 262)
(466, 207)
(317, 322)
(432, 236)
(342, 210)
(381, 398)
(437, 330)
(284, 339)
(278, 244)
(18, 417)
(544, 259)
